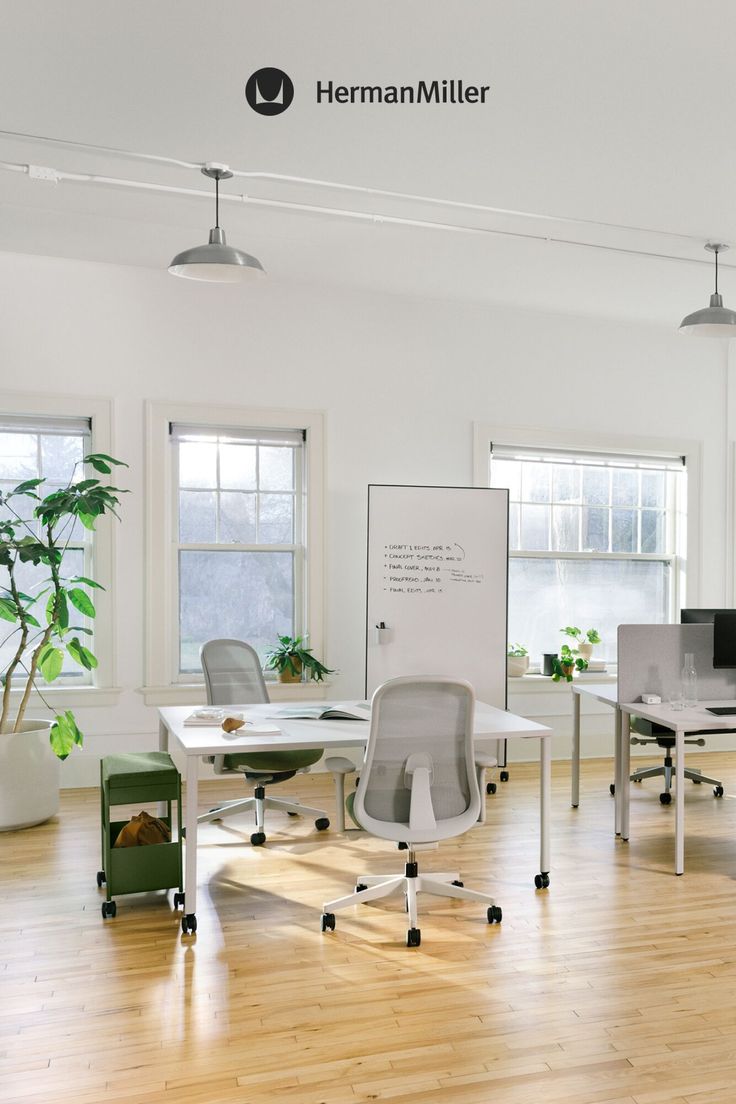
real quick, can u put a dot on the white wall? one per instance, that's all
(401, 381)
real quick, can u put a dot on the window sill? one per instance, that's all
(543, 684)
(72, 697)
(194, 693)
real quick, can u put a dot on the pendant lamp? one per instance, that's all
(715, 320)
(216, 262)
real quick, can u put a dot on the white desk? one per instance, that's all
(681, 722)
(491, 723)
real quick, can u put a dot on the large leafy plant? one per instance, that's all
(291, 654)
(38, 530)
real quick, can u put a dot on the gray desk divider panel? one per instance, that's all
(650, 659)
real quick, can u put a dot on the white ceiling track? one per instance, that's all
(53, 175)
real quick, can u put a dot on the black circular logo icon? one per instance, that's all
(269, 91)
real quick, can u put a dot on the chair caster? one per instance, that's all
(495, 914)
(541, 881)
(403, 846)
(109, 909)
(101, 879)
(718, 791)
(258, 839)
(504, 776)
(360, 887)
(612, 789)
(413, 937)
(290, 813)
(189, 924)
(491, 788)
(697, 781)
(178, 900)
(665, 798)
(461, 884)
(322, 824)
(328, 921)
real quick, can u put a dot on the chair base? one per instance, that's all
(411, 883)
(666, 771)
(259, 802)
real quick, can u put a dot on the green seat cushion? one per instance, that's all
(144, 768)
(350, 806)
(274, 761)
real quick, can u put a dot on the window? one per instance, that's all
(240, 551)
(596, 539)
(234, 534)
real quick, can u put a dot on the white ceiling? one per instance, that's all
(610, 112)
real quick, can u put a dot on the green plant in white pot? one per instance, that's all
(517, 660)
(583, 641)
(35, 533)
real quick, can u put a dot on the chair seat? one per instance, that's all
(281, 762)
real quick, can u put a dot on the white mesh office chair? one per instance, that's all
(233, 676)
(418, 785)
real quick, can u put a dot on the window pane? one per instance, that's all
(514, 526)
(565, 483)
(535, 528)
(652, 531)
(565, 528)
(197, 517)
(237, 518)
(507, 473)
(653, 489)
(197, 464)
(624, 487)
(276, 468)
(595, 530)
(243, 595)
(238, 467)
(59, 455)
(595, 487)
(623, 531)
(535, 482)
(546, 594)
(275, 519)
(18, 456)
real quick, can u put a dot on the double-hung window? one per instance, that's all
(595, 540)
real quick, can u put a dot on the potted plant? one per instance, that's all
(37, 531)
(584, 641)
(291, 658)
(567, 663)
(517, 660)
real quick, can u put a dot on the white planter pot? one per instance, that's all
(516, 666)
(585, 651)
(29, 776)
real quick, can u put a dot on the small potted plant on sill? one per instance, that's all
(567, 663)
(517, 660)
(292, 660)
(583, 641)
(40, 631)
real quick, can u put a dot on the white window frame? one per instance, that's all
(686, 576)
(164, 685)
(103, 690)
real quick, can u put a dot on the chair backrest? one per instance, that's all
(232, 673)
(418, 782)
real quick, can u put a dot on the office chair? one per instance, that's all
(418, 785)
(650, 733)
(233, 676)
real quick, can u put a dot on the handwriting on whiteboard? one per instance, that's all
(425, 568)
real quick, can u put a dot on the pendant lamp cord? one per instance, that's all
(217, 218)
(716, 253)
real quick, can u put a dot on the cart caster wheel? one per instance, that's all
(101, 879)
(491, 788)
(322, 824)
(328, 921)
(495, 914)
(109, 909)
(189, 924)
(665, 798)
(413, 937)
(258, 839)
(504, 776)
(718, 791)
(461, 884)
(541, 881)
(360, 887)
(612, 789)
(178, 900)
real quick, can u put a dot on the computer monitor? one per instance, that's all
(700, 616)
(724, 632)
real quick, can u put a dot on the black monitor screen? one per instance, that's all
(700, 616)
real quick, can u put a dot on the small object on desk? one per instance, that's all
(232, 724)
(651, 699)
(206, 716)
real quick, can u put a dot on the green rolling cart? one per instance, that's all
(133, 779)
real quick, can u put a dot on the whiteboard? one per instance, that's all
(438, 581)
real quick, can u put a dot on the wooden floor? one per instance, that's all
(616, 985)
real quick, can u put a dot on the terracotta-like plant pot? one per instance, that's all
(29, 776)
(287, 676)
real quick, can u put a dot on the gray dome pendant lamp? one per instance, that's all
(714, 320)
(216, 262)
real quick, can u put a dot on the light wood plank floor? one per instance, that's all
(615, 986)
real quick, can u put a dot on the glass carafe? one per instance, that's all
(689, 681)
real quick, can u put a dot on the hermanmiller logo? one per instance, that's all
(437, 92)
(269, 91)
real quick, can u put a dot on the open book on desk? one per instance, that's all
(361, 711)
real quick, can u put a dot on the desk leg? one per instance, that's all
(618, 783)
(545, 787)
(190, 870)
(680, 802)
(624, 771)
(575, 799)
